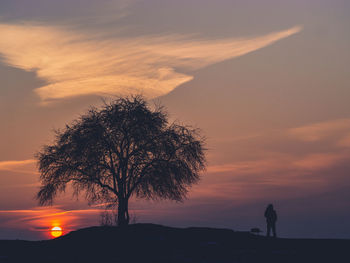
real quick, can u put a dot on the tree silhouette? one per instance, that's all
(121, 150)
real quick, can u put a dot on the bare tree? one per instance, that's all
(120, 150)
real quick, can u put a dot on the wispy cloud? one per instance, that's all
(344, 141)
(281, 171)
(321, 130)
(282, 162)
(17, 166)
(320, 161)
(76, 64)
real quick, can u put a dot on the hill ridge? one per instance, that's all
(158, 243)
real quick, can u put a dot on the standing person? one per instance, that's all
(271, 218)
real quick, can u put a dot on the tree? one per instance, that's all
(121, 150)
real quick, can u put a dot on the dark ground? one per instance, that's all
(154, 243)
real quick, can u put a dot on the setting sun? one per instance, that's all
(56, 231)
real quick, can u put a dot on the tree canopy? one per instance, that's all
(121, 150)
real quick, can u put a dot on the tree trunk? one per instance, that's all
(123, 213)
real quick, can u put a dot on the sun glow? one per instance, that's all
(56, 231)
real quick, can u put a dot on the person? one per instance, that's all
(271, 218)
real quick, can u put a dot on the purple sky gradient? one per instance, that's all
(276, 119)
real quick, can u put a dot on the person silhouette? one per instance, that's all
(271, 218)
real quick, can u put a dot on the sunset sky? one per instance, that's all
(267, 82)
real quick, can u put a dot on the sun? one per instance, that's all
(56, 231)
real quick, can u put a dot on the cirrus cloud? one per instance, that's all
(16, 165)
(321, 130)
(76, 64)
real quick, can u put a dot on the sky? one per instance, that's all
(267, 82)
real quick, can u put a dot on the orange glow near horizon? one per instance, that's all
(56, 231)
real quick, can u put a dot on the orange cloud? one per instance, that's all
(320, 161)
(344, 141)
(236, 180)
(76, 64)
(281, 162)
(25, 166)
(250, 167)
(320, 130)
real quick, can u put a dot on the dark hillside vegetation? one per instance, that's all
(155, 243)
